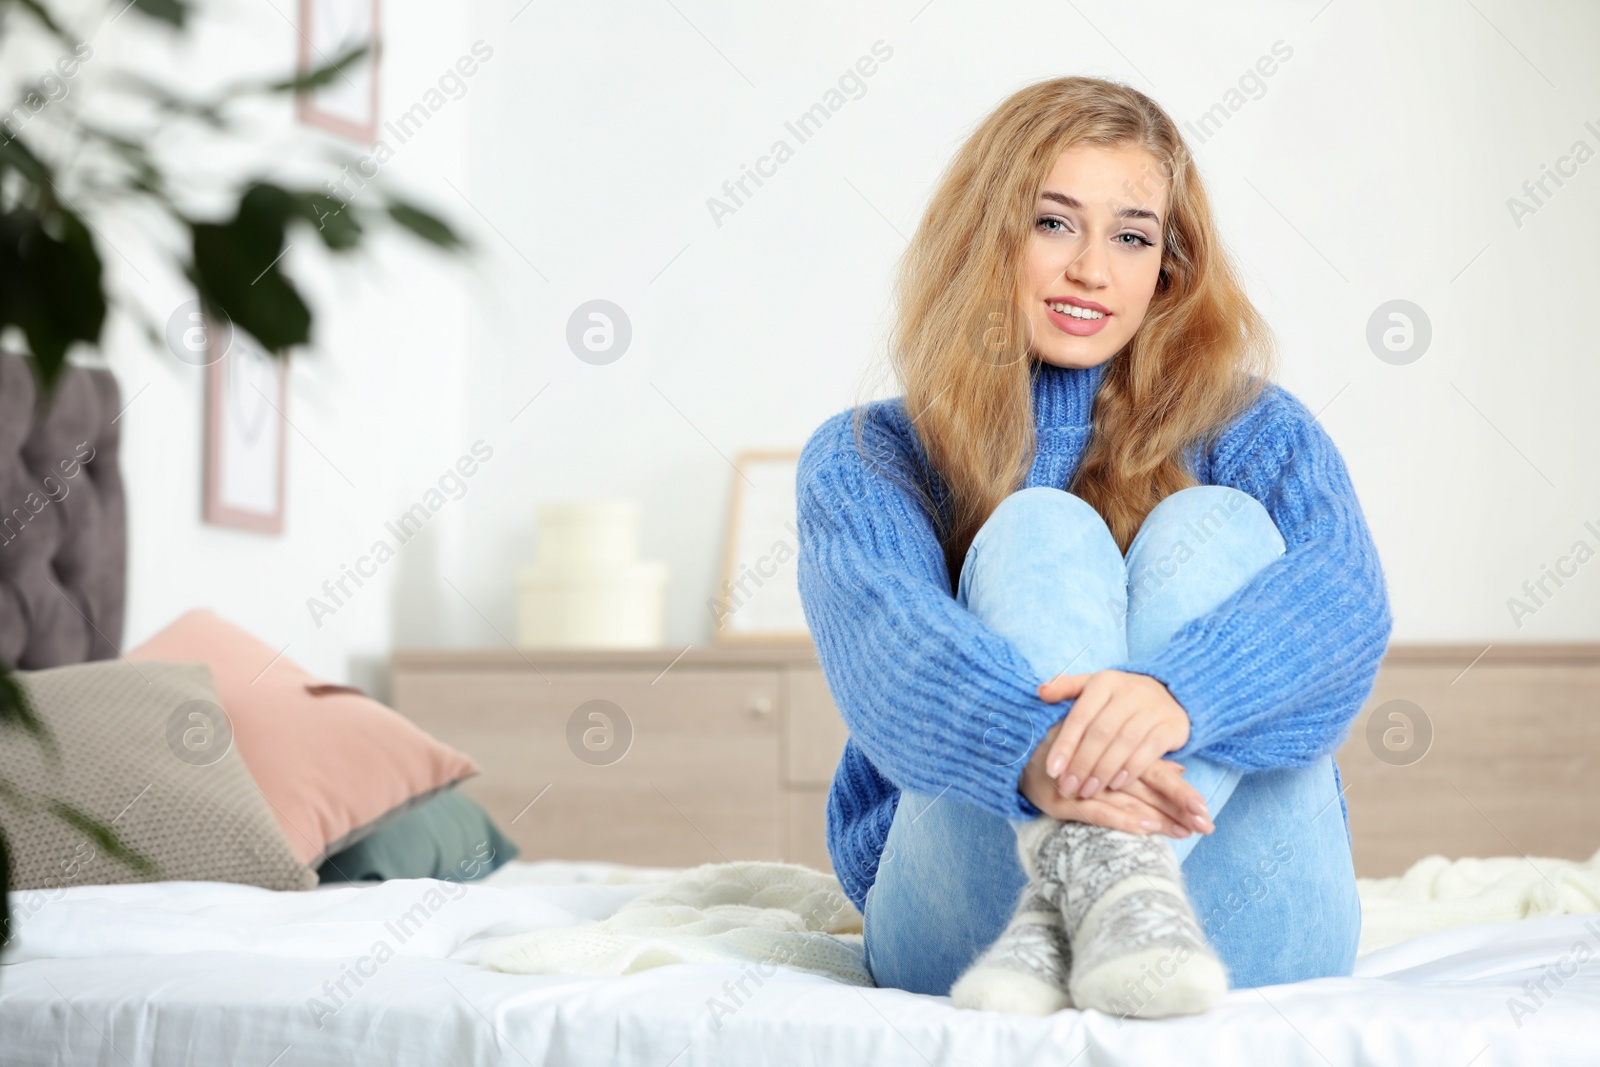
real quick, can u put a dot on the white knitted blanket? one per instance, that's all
(780, 914)
(766, 914)
(1438, 894)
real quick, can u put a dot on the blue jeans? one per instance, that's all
(1273, 886)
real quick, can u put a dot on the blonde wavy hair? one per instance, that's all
(1201, 356)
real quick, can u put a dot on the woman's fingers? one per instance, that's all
(1152, 748)
(1172, 809)
(1166, 778)
(1079, 719)
(1111, 815)
(1062, 687)
(1120, 811)
(1097, 737)
(1110, 770)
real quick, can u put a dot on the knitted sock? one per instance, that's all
(1027, 968)
(1136, 946)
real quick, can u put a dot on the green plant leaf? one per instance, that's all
(15, 154)
(237, 269)
(103, 837)
(207, 111)
(16, 709)
(13, 796)
(42, 13)
(335, 220)
(172, 12)
(320, 76)
(50, 286)
(424, 224)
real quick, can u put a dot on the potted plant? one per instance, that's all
(57, 169)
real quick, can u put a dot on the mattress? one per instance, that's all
(387, 974)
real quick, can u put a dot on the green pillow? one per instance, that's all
(448, 837)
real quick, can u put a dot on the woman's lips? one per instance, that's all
(1076, 327)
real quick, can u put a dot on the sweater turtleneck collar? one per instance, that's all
(1064, 396)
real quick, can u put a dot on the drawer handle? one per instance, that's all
(760, 705)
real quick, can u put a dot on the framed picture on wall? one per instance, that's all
(758, 596)
(347, 105)
(247, 392)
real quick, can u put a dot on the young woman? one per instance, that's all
(1095, 597)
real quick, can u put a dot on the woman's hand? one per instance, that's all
(1160, 800)
(1120, 724)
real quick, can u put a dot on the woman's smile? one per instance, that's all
(1074, 315)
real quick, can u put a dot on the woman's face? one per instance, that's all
(1094, 254)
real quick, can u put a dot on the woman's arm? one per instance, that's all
(937, 700)
(1273, 676)
(933, 697)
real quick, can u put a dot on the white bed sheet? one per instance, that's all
(202, 973)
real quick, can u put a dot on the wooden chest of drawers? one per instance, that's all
(646, 757)
(1473, 750)
(727, 753)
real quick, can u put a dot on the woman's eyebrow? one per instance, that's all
(1125, 213)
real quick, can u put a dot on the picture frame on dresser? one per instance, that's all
(758, 595)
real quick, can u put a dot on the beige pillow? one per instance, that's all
(145, 749)
(333, 763)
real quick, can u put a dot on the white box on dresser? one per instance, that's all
(639, 756)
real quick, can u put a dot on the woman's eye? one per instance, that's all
(1052, 224)
(1138, 239)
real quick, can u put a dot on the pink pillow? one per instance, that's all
(333, 763)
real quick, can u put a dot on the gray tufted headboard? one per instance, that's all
(63, 528)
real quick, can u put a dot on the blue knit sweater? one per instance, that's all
(1271, 678)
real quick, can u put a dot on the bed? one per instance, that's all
(1479, 963)
(170, 973)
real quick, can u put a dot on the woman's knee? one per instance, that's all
(1041, 516)
(1041, 505)
(1210, 515)
(1045, 572)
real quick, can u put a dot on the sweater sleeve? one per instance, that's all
(1274, 675)
(935, 699)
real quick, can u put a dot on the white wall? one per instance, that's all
(1376, 164)
(376, 403)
